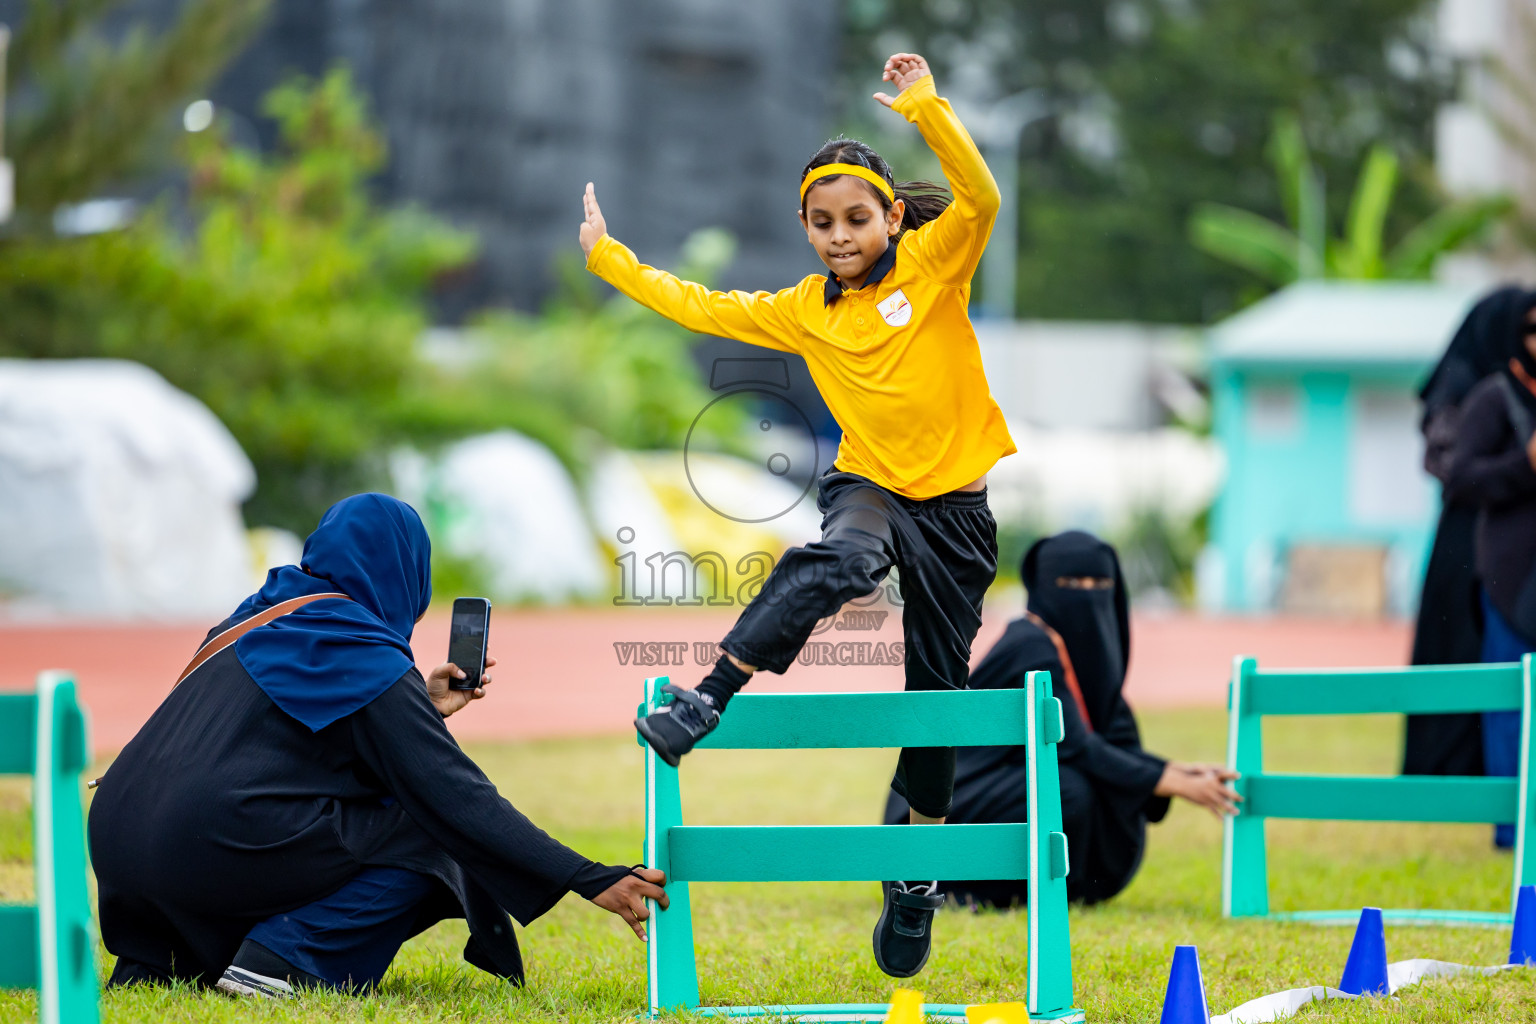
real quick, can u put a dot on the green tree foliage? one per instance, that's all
(613, 368)
(86, 110)
(1161, 105)
(273, 288)
(1281, 255)
(292, 307)
(291, 303)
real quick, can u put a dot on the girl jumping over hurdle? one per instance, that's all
(891, 348)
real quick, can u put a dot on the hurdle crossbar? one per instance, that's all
(1036, 851)
(1255, 694)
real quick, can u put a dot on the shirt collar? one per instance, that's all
(835, 287)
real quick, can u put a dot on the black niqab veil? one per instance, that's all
(1107, 780)
(1492, 332)
(1527, 364)
(1094, 624)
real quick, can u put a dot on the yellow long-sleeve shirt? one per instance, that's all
(896, 361)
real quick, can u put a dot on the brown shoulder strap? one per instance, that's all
(239, 629)
(1066, 667)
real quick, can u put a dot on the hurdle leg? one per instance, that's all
(1244, 866)
(1050, 938)
(673, 981)
(1525, 818)
(67, 987)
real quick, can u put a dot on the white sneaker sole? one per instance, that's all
(238, 982)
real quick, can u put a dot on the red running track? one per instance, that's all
(562, 672)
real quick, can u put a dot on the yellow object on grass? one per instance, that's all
(906, 1007)
(997, 1013)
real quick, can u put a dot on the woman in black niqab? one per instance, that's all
(296, 808)
(1077, 627)
(1493, 469)
(1449, 629)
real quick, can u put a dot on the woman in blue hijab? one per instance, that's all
(296, 808)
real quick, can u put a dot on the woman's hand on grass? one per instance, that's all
(901, 71)
(594, 227)
(1204, 784)
(446, 700)
(627, 897)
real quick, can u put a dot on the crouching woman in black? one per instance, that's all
(296, 808)
(1077, 628)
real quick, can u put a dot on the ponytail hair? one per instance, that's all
(923, 199)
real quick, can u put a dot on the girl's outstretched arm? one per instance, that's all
(758, 318)
(950, 246)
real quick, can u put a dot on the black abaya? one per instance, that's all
(1449, 628)
(1449, 631)
(1106, 784)
(1107, 779)
(224, 810)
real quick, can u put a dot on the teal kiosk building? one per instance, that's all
(1315, 407)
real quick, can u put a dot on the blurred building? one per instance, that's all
(1092, 375)
(686, 113)
(7, 173)
(1326, 508)
(1485, 141)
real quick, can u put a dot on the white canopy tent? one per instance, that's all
(119, 494)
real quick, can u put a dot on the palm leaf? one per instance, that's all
(1288, 152)
(1248, 241)
(1301, 191)
(1312, 222)
(1442, 232)
(1359, 256)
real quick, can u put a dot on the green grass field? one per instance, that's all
(810, 942)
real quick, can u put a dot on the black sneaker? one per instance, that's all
(904, 932)
(673, 729)
(259, 972)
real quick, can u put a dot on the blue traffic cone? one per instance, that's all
(1522, 943)
(1184, 1002)
(1365, 972)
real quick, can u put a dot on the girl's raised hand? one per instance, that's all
(901, 71)
(594, 227)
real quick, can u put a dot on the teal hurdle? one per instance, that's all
(1428, 689)
(952, 718)
(51, 946)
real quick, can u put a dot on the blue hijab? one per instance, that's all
(330, 658)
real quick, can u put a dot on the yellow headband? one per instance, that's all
(826, 170)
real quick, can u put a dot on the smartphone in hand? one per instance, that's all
(466, 640)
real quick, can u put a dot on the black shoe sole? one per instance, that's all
(880, 926)
(656, 742)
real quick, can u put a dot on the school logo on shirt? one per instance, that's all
(896, 309)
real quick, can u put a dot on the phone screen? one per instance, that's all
(466, 639)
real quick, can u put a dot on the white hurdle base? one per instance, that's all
(856, 1013)
(1414, 918)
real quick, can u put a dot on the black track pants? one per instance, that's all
(945, 552)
